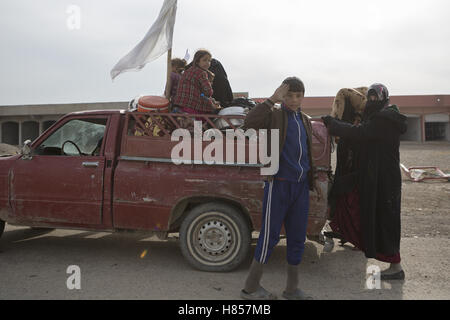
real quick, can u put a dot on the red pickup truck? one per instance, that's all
(92, 171)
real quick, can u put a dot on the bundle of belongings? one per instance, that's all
(349, 104)
(150, 125)
(151, 104)
(243, 102)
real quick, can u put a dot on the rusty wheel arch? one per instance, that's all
(184, 206)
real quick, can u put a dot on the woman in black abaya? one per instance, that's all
(367, 214)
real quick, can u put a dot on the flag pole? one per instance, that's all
(169, 71)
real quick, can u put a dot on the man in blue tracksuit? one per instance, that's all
(286, 195)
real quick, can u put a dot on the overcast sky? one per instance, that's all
(329, 44)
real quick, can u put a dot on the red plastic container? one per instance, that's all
(153, 104)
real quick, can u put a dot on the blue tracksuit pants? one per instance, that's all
(284, 202)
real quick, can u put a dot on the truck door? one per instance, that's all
(62, 181)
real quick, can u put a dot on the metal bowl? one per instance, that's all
(230, 111)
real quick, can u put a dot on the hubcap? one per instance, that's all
(214, 239)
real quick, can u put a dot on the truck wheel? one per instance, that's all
(215, 237)
(2, 227)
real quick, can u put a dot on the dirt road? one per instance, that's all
(33, 263)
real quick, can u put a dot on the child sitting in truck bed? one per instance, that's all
(194, 92)
(178, 67)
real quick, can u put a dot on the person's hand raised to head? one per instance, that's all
(280, 93)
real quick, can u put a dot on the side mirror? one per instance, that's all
(26, 150)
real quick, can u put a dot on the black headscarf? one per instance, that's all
(221, 86)
(381, 92)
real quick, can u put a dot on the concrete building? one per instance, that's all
(428, 116)
(22, 122)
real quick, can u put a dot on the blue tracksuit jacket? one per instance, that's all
(286, 197)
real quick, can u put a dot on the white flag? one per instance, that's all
(156, 42)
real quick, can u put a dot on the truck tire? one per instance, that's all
(215, 237)
(2, 227)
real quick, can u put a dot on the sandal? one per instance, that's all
(297, 295)
(259, 294)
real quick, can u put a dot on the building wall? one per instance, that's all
(18, 123)
(16, 130)
(437, 127)
(440, 117)
(414, 132)
(9, 132)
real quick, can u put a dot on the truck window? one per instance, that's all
(78, 137)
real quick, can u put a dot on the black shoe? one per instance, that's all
(332, 234)
(394, 276)
(335, 235)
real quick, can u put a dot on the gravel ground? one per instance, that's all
(33, 263)
(426, 205)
